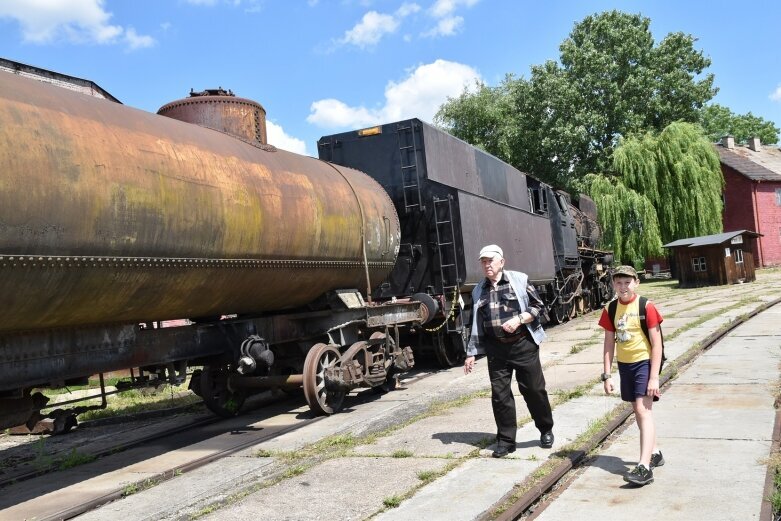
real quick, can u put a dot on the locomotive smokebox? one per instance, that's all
(220, 109)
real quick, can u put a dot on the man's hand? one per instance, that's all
(608, 385)
(513, 324)
(469, 364)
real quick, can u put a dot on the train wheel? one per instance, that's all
(215, 392)
(321, 401)
(449, 348)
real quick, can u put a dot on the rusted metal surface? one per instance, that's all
(109, 214)
(221, 110)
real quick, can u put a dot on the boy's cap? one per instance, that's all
(627, 271)
(491, 251)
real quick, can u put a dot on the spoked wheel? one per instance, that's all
(449, 348)
(216, 395)
(563, 311)
(321, 401)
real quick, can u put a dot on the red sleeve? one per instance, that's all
(605, 322)
(652, 316)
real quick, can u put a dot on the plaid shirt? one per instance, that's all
(502, 305)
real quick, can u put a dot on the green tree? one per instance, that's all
(719, 121)
(628, 218)
(565, 120)
(666, 186)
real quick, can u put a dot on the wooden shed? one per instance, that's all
(714, 260)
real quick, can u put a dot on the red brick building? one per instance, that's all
(752, 194)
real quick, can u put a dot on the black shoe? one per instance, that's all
(546, 440)
(657, 460)
(503, 450)
(640, 476)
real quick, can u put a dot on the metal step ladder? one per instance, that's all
(448, 259)
(408, 158)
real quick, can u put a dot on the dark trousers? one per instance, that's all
(523, 357)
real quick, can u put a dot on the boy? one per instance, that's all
(639, 360)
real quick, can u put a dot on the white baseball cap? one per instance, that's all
(491, 251)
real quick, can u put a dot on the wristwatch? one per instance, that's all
(605, 376)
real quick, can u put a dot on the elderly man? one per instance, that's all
(506, 327)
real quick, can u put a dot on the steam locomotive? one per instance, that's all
(178, 240)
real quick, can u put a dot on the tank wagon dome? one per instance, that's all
(220, 109)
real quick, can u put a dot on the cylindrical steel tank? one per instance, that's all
(221, 110)
(111, 214)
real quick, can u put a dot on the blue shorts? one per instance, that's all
(634, 380)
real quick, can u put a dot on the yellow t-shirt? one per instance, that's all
(631, 344)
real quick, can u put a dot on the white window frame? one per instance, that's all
(699, 264)
(738, 254)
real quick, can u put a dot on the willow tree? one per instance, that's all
(628, 218)
(678, 172)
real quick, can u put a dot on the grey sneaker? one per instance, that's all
(657, 460)
(640, 475)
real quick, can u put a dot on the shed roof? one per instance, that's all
(760, 165)
(710, 240)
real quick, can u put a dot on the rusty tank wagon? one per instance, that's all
(113, 220)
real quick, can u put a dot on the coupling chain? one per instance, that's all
(449, 315)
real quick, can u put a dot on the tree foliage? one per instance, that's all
(668, 186)
(719, 121)
(628, 218)
(565, 120)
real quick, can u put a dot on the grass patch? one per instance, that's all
(294, 471)
(427, 475)
(402, 454)
(580, 346)
(134, 401)
(135, 488)
(74, 459)
(775, 498)
(392, 501)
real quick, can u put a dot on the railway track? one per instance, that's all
(171, 448)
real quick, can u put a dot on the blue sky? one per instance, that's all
(324, 66)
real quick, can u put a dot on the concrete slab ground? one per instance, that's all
(714, 427)
(727, 445)
(336, 489)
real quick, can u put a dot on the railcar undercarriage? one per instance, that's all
(328, 352)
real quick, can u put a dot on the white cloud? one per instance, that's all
(373, 26)
(445, 27)
(370, 30)
(407, 9)
(202, 2)
(444, 8)
(137, 41)
(448, 23)
(77, 21)
(776, 94)
(419, 95)
(277, 137)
